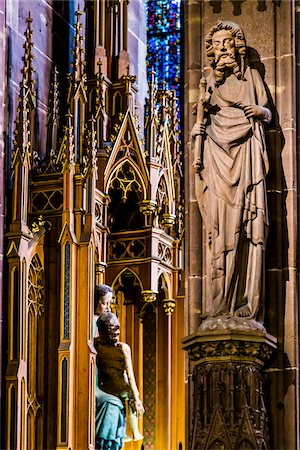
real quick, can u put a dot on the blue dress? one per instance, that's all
(110, 421)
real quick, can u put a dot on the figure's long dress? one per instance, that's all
(231, 193)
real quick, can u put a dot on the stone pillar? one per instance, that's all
(229, 406)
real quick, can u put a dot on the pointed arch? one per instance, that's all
(128, 287)
(126, 190)
(127, 146)
(128, 269)
(164, 284)
(127, 183)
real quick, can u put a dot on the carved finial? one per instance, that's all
(28, 69)
(66, 152)
(99, 86)
(53, 111)
(26, 103)
(78, 62)
(90, 156)
(163, 96)
(128, 81)
(152, 93)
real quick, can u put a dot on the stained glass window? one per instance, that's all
(164, 39)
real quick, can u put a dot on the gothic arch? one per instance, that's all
(127, 147)
(164, 284)
(126, 190)
(126, 187)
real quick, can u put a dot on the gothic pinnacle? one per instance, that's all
(53, 111)
(99, 85)
(78, 62)
(28, 69)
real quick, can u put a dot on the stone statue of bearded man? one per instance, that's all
(230, 184)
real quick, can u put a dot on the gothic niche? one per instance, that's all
(128, 289)
(125, 193)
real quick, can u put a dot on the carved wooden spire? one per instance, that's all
(90, 145)
(26, 102)
(152, 94)
(53, 112)
(128, 82)
(66, 153)
(78, 62)
(23, 136)
(151, 122)
(28, 70)
(163, 97)
(99, 86)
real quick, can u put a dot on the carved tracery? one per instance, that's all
(125, 192)
(35, 353)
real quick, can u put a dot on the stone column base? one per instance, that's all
(229, 407)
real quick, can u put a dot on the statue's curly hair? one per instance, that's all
(239, 38)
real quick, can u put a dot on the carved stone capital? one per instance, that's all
(168, 220)
(147, 207)
(169, 306)
(230, 345)
(149, 296)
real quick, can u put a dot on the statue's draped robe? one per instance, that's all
(231, 193)
(110, 421)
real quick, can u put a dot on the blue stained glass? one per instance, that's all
(164, 42)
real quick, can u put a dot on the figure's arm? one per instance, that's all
(258, 112)
(129, 369)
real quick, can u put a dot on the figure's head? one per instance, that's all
(108, 328)
(226, 49)
(102, 299)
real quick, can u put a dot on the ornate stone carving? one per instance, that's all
(147, 207)
(169, 306)
(229, 403)
(231, 164)
(123, 249)
(149, 296)
(165, 253)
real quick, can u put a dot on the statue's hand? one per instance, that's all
(257, 112)
(139, 409)
(197, 130)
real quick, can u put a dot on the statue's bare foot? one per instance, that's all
(243, 311)
(138, 437)
(127, 438)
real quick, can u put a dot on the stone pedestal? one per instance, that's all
(229, 407)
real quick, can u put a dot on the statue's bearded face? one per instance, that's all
(224, 45)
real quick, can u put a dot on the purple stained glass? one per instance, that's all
(164, 42)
